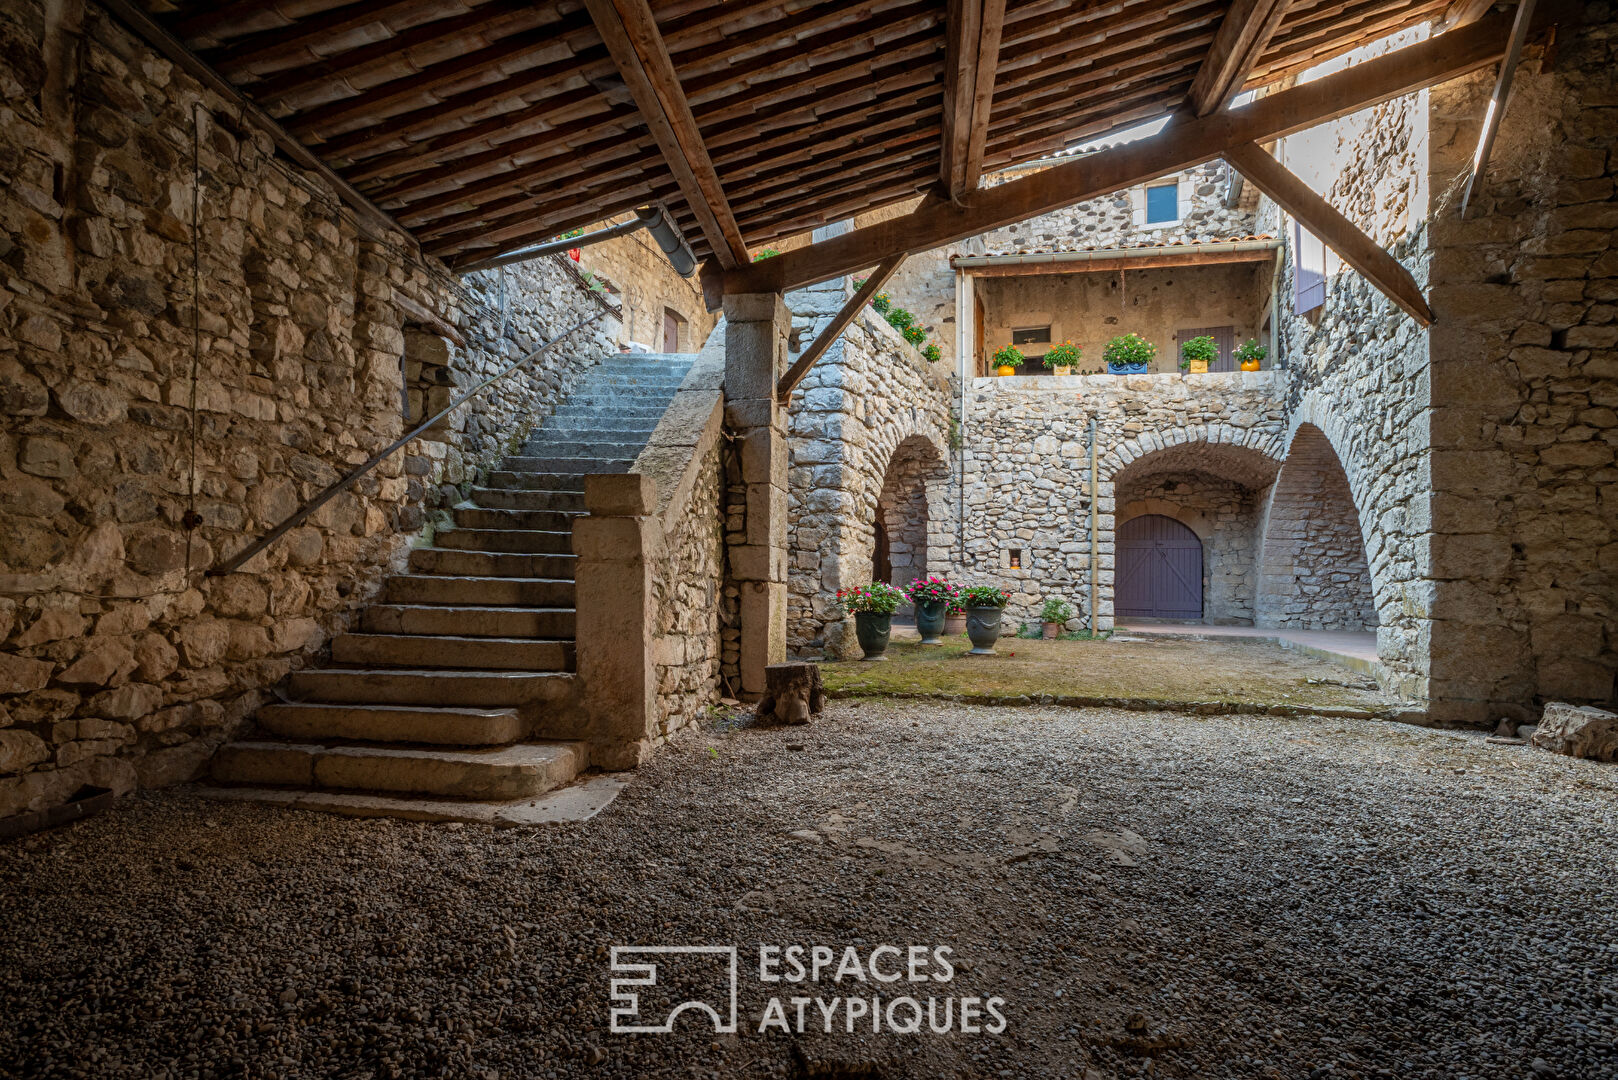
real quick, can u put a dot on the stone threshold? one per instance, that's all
(576, 802)
(1403, 714)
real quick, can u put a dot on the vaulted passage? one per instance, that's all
(1312, 573)
(899, 554)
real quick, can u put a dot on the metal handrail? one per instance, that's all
(235, 562)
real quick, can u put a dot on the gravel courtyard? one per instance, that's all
(1150, 894)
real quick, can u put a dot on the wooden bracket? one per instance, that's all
(845, 315)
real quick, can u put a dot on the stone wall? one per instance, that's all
(689, 600)
(1027, 469)
(1524, 376)
(1224, 515)
(119, 663)
(1356, 368)
(869, 396)
(640, 280)
(1312, 569)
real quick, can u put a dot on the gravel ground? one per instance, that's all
(1150, 895)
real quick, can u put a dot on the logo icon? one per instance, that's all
(626, 998)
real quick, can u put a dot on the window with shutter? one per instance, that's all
(1308, 270)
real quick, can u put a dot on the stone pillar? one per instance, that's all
(618, 545)
(756, 330)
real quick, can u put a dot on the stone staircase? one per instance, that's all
(455, 698)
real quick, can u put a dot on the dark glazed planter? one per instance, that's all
(873, 630)
(930, 620)
(1126, 369)
(983, 627)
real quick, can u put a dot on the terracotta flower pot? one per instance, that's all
(955, 624)
(873, 629)
(983, 627)
(1049, 630)
(930, 620)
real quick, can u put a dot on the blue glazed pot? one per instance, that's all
(930, 620)
(873, 630)
(1127, 369)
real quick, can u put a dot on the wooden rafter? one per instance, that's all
(1334, 229)
(1123, 261)
(632, 37)
(1196, 140)
(827, 337)
(1462, 12)
(1242, 38)
(1497, 100)
(971, 58)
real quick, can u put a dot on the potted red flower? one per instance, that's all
(932, 596)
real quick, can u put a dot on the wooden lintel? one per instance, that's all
(1195, 140)
(377, 221)
(971, 58)
(1240, 41)
(1498, 100)
(1122, 262)
(642, 57)
(1335, 230)
(845, 315)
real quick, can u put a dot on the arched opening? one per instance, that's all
(899, 552)
(1313, 574)
(1187, 531)
(1159, 570)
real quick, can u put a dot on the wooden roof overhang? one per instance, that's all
(484, 126)
(1107, 260)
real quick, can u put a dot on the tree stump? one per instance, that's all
(792, 692)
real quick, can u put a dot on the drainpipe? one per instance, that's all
(964, 333)
(1095, 559)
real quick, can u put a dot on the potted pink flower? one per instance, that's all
(932, 596)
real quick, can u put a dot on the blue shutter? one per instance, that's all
(1162, 203)
(1308, 270)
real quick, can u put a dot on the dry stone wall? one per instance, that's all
(117, 665)
(870, 400)
(1027, 486)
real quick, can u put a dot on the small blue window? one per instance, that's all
(1162, 203)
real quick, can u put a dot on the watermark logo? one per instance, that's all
(626, 992)
(903, 990)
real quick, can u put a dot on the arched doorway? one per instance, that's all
(899, 551)
(1159, 570)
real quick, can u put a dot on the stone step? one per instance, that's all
(394, 723)
(563, 465)
(532, 542)
(478, 591)
(505, 480)
(580, 801)
(480, 517)
(504, 564)
(397, 686)
(631, 413)
(517, 499)
(460, 621)
(544, 448)
(445, 651)
(597, 432)
(508, 772)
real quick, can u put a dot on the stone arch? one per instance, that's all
(902, 519)
(1313, 571)
(1210, 478)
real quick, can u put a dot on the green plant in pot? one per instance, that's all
(1007, 359)
(984, 605)
(1197, 354)
(872, 608)
(932, 596)
(1250, 355)
(1061, 359)
(1128, 354)
(1051, 617)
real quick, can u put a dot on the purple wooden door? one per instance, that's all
(1159, 570)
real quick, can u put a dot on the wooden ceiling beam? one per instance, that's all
(1110, 264)
(1294, 50)
(1327, 222)
(1243, 36)
(286, 45)
(834, 329)
(971, 58)
(1192, 142)
(632, 37)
